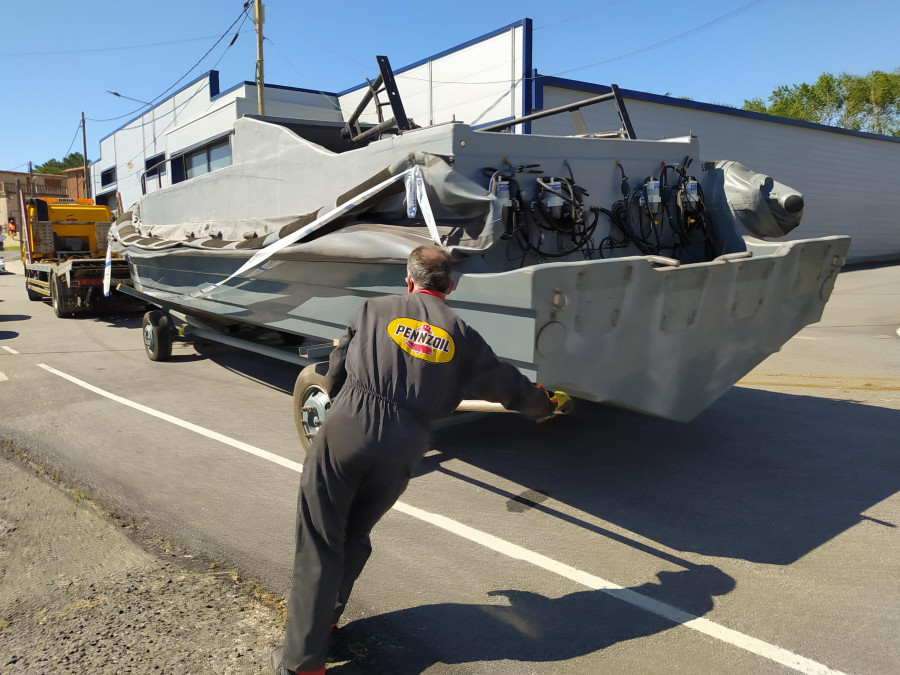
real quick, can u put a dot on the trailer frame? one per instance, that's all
(311, 401)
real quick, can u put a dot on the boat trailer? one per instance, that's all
(172, 322)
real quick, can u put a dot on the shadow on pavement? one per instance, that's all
(523, 626)
(275, 374)
(759, 476)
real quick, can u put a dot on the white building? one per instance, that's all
(841, 173)
(188, 135)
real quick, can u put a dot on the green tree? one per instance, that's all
(755, 105)
(862, 102)
(873, 103)
(54, 166)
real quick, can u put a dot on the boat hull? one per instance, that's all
(662, 340)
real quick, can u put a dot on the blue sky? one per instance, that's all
(61, 58)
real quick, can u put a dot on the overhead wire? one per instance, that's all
(580, 15)
(146, 145)
(709, 24)
(243, 15)
(77, 129)
(518, 82)
(244, 12)
(97, 50)
(696, 29)
(63, 158)
(319, 91)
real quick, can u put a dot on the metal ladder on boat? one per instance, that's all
(353, 130)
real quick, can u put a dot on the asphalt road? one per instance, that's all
(760, 538)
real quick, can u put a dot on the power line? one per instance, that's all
(143, 150)
(696, 29)
(661, 43)
(244, 12)
(580, 15)
(97, 50)
(291, 64)
(77, 129)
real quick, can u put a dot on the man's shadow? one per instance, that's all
(526, 626)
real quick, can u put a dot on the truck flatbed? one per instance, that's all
(64, 254)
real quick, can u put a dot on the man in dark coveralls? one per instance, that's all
(403, 361)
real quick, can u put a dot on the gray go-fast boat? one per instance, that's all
(620, 270)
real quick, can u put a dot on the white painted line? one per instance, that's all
(214, 435)
(898, 332)
(772, 652)
(10, 350)
(3, 377)
(705, 626)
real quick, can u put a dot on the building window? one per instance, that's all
(201, 160)
(154, 176)
(214, 156)
(108, 199)
(108, 177)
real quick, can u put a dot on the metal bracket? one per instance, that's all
(316, 351)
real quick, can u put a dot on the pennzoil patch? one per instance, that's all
(422, 340)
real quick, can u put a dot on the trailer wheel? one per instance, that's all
(311, 403)
(157, 336)
(57, 298)
(32, 295)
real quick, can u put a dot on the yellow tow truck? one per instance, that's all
(64, 245)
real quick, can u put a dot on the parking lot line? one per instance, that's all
(197, 429)
(712, 629)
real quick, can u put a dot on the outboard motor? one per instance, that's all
(737, 195)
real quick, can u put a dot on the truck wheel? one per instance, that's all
(311, 403)
(57, 297)
(32, 295)
(157, 336)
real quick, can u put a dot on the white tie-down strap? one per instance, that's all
(411, 203)
(258, 259)
(107, 270)
(415, 192)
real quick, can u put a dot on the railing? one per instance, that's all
(39, 190)
(625, 131)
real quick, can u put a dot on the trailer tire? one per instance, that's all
(311, 403)
(157, 335)
(57, 298)
(32, 295)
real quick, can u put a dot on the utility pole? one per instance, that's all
(260, 18)
(86, 189)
